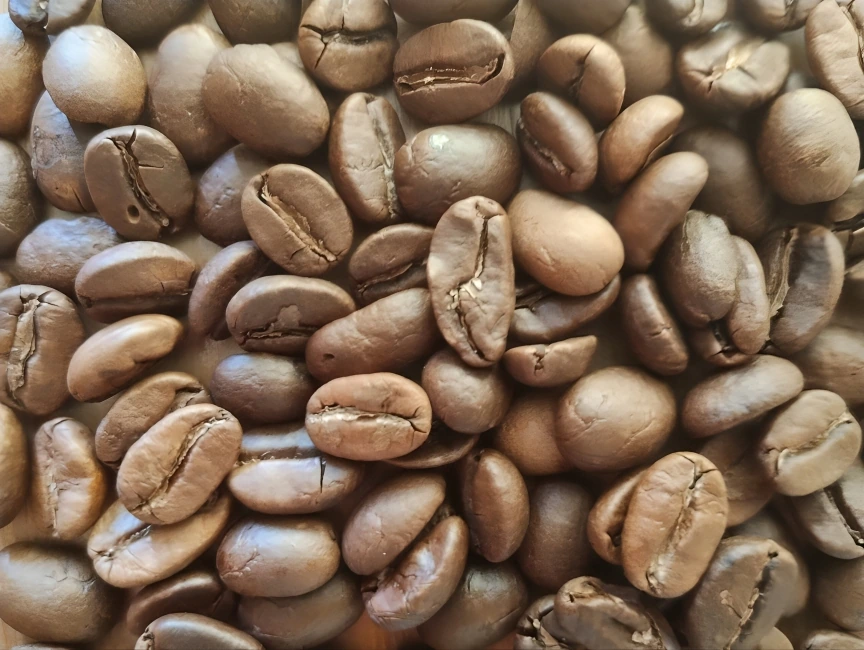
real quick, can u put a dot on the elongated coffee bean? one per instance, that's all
(390, 260)
(14, 467)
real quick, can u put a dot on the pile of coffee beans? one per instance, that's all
(446, 324)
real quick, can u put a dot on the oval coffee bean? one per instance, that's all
(138, 277)
(676, 518)
(606, 518)
(365, 135)
(594, 16)
(527, 435)
(138, 25)
(739, 395)
(281, 472)
(451, 72)
(833, 361)
(749, 320)
(254, 21)
(21, 71)
(419, 12)
(442, 165)
(369, 417)
(51, 593)
(775, 16)
(390, 260)
(443, 447)
(686, 18)
(116, 356)
(842, 216)
(177, 630)
(126, 552)
(836, 594)
(614, 418)
(40, 331)
(546, 366)
(14, 466)
(20, 207)
(714, 345)
(776, 639)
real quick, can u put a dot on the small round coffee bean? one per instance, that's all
(593, 16)
(546, 366)
(606, 518)
(20, 206)
(419, 12)
(172, 630)
(527, 435)
(256, 21)
(14, 466)
(139, 25)
(443, 447)
(20, 71)
(776, 15)
(688, 18)
(39, 18)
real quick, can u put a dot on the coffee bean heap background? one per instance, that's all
(446, 324)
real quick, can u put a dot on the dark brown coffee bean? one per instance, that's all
(636, 138)
(68, 484)
(542, 316)
(250, 88)
(384, 336)
(451, 72)
(94, 76)
(20, 72)
(390, 260)
(388, 519)
(776, 16)
(825, 639)
(566, 246)
(138, 277)
(527, 435)
(40, 18)
(739, 395)
(614, 418)
(182, 630)
(39, 333)
(369, 417)
(558, 142)
(365, 135)
(833, 361)
(423, 13)
(539, 629)
(751, 577)
(14, 466)
(588, 72)
(594, 16)
(443, 447)
(655, 203)
(836, 593)
(51, 593)
(281, 472)
(126, 552)
(546, 366)
(256, 21)
(445, 164)
(842, 216)
(530, 34)
(674, 523)
(20, 207)
(197, 591)
(297, 219)
(606, 518)
(139, 25)
(687, 18)
(279, 313)
(807, 148)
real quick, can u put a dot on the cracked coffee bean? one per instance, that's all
(539, 629)
(172, 630)
(545, 366)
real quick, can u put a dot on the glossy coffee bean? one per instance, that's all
(14, 466)
(686, 18)
(37, 19)
(20, 73)
(606, 518)
(539, 627)
(186, 629)
(833, 361)
(390, 260)
(546, 366)
(20, 207)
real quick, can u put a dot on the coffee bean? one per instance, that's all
(594, 16)
(775, 16)
(256, 21)
(445, 164)
(20, 73)
(14, 466)
(297, 219)
(676, 518)
(833, 362)
(749, 320)
(138, 25)
(36, 18)
(539, 629)
(7, 280)
(842, 217)
(451, 72)
(172, 630)
(281, 472)
(20, 206)
(527, 435)
(422, 13)
(443, 447)
(824, 639)
(614, 418)
(686, 18)
(369, 417)
(39, 333)
(606, 518)
(546, 366)
(776, 639)
(836, 595)
(530, 34)
(390, 260)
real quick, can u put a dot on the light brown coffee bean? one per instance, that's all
(172, 630)
(545, 366)
(20, 74)
(14, 466)
(37, 18)
(20, 206)
(527, 435)
(833, 361)
(443, 447)
(606, 518)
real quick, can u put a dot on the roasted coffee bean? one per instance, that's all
(614, 418)
(836, 593)
(171, 471)
(68, 484)
(39, 333)
(126, 552)
(731, 70)
(527, 434)
(443, 447)
(636, 138)
(279, 313)
(52, 17)
(20, 72)
(256, 21)
(778, 641)
(423, 13)
(139, 25)
(94, 76)
(546, 366)
(197, 591)
(530, 34)
(51, 593)
(566, 246)
(539, 629)
(369, 417)
(842, 216)
(388, 519)
(139, 277)
(451, 72)
(655, 203)
(689, 18)
(297, 219)
(739, 395)
(488, 601)
(804, 268)
(749, 321)
(175, 102)
(278, 557)
(674, 523)
(833, 361)
(445, 164)
(555, 548)
(606, 518)
(116, 356)
(364, 137)
(250, 88)
(807, 148)
(139, 182)
(181, 630)
(281, 472)
(542, 316)
(384, 336)
(14, 466)
(651, 330)
(7, 280)
(588, 72)
(809, 443)
(390, 260)
(348, 47)
(594, 16)
(303, 621)
(20, 207)
(825, 639)
(262, 388)
(776, 16)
